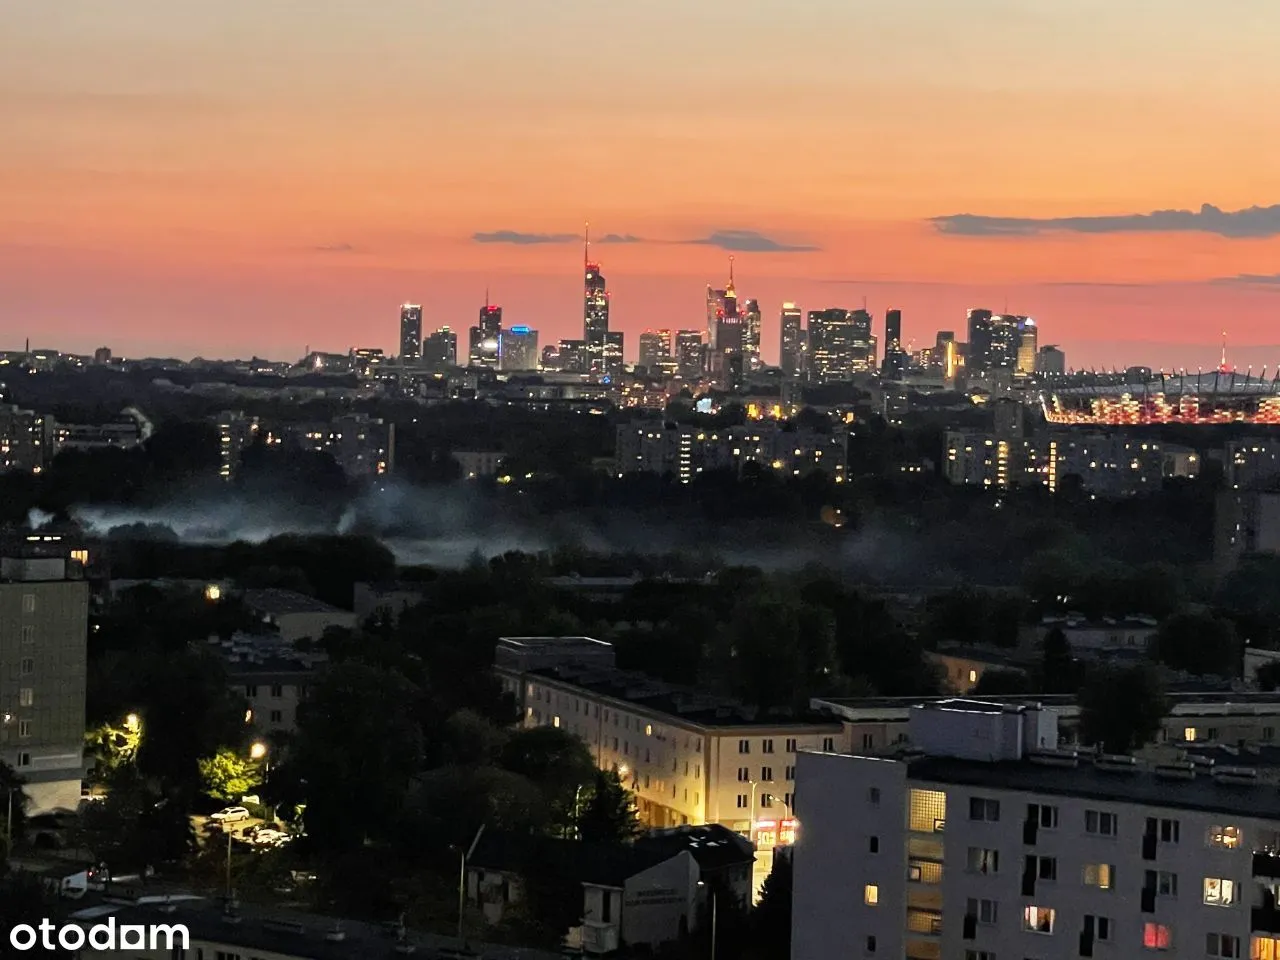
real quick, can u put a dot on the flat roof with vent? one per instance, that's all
(1177, 785)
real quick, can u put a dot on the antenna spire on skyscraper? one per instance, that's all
(586, 243)
(1223, 365)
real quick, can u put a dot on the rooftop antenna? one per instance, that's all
(486, 296)
(1223, 365)
(586, 244)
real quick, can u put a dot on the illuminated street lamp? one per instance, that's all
(132, 723)
(258, 751)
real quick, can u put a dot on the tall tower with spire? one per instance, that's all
(729, 319)
(595, 309)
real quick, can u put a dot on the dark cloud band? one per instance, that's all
(1237, 224)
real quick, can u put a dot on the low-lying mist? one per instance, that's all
(447, 526)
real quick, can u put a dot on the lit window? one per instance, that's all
(1156, 936)
(1265, 948)
(928, 811)
(1099, 875)
(973, 676)
(1228, 837)
(1038, 919)
(555, 721)
(1189, 734)
(1219, 892)
(26, 697)
(871, 895)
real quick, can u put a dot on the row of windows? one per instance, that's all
(766, 745)
(766, 774)
(766, 800)
(277, 691)
(1104, 824)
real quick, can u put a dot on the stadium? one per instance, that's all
(1220, 397)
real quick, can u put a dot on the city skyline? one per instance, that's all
(292, 183)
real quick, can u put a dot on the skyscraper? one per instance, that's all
(1051, 360)
(751, 333)
(1006, 334)
(595, 311)
(729, 319)
(653, 349)
(1027, 336)
(613, 356)
(831, 344)
(441, 348)
(690, 359)
(410, 333)
(978, 356)
(518, 349)
(715, 308)
(791, 342)
(863, 345)
(486, 337)
(895, 358)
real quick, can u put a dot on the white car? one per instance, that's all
(230, 815)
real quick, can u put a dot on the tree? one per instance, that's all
(771, 918)
(609, 813)
(227, 775)
(1121, 709)
(557, 761)
(13, 802)
(358, 746)
(1057, 668)
(1199, 643)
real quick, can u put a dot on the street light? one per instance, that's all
(257, 751)
(132, 723)
(714, 901)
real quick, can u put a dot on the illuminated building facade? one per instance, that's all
(1106, 465)
(486, 338)
(895, 358)
(831, 345)
(410, 333)
(751, 334)
(518, 349)
(363, 446)
(1006, 337)
(690, 354)
(978, 356)
(989, 841)
(44, 625)
(791, 344)
(595, 316)
(1027, 348)
(26, 439)
(440, 349)
(1207, 398)
(655, 349)
(684, 451)
(715, 309)
(614, 343)
(687, 756)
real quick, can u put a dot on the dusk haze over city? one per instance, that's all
(666, 480)
(244, 178)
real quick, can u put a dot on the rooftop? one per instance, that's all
(659, 697)
(277, 602)
(594, 863)
(1182, 702)
(713, 845)
(1152, 785)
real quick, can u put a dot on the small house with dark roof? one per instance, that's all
(725, 858)
(615, 896)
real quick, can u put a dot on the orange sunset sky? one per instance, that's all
(179, 177)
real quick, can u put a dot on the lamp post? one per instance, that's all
(714, 903)
(754, 784)
(8, 825)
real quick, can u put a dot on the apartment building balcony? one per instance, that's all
(1266, 864)
(927, 923)
(1265, 920)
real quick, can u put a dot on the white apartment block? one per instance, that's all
(689, 757)
(986, 843)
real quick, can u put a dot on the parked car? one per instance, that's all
(266, 835)
(230, 815)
